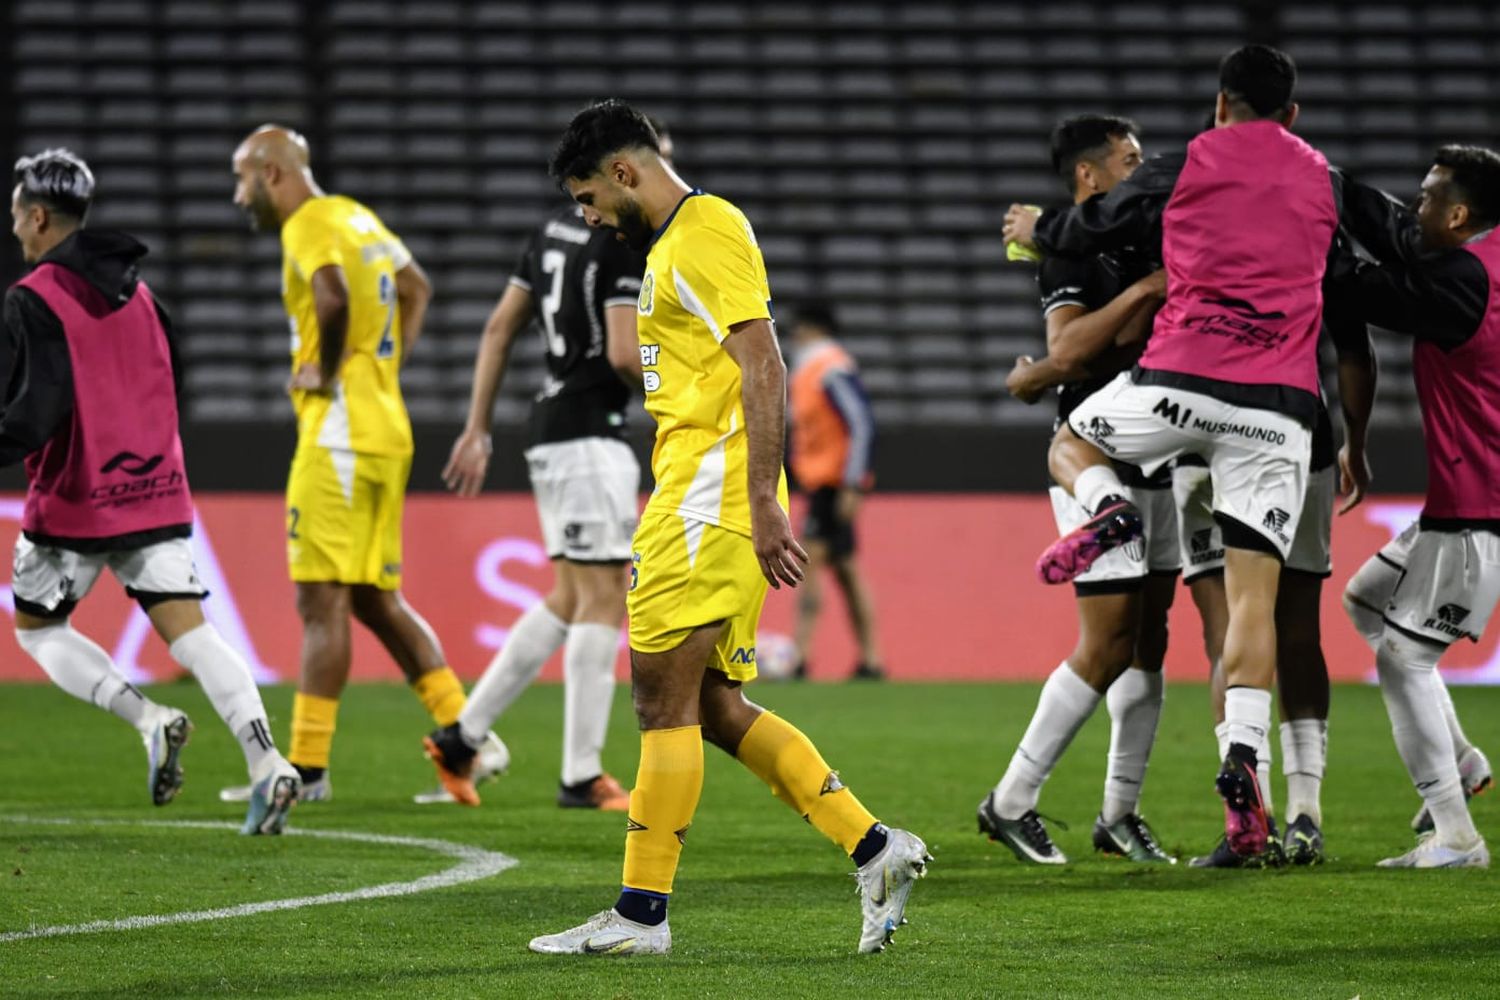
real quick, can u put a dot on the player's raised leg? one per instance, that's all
(226, 679)
(1084, 471)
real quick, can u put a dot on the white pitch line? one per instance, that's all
(474, 863)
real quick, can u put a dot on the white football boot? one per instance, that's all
(165, 732)
(1475, 774)
(884, 883)
(272, 795)
(607, 933)
(1430, 853)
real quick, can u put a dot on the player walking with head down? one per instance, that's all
(91, 404)
(713, 536)
(356, 299)
(580, 285)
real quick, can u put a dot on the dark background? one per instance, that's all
(874, 145)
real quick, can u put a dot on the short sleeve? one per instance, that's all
(524, 275)
(1063, 281)
(719, 276)
(400, 255)
(620, 271)
(311, 244)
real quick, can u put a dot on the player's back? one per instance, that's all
(704, 276)
(365, 413)
(575, 274)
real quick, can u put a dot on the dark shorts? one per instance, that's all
(825, 525)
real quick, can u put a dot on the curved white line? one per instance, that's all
(474, 863)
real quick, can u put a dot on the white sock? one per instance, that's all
(82, 668)
(1221, 733)
(1422, 738)
(1461, 744)
(1304, 756)
(1247, 714)
(531, 643)
(1065, 705)
(1263, 775)
(1134, 701)
(225, 677)
(1094, 484)
(588, 695)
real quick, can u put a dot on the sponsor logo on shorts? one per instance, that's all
(744, 654)
(1250, 432)
(1275, 521)
(1447, 619)
(1100, 430)
(573, 537)
(391, 569)
(1201, 547)
(1172, 412)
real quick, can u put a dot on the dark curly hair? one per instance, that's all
(1474, 180)
(58, 179)
(596, 132)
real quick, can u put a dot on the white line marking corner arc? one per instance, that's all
(474, 863)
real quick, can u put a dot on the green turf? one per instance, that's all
(764, 907)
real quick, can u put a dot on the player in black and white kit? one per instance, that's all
(580, 285)
(1096, 307)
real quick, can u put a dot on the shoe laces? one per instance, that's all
(1141, 832)
(1036, 834)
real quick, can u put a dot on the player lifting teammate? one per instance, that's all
(91, 405)
(713, 536)
(1098, 311)
(355, 298)
(581, 285)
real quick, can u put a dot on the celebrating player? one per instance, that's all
(92, 408)
(1247, 222)
(582, 285)
(1092, 304)
(833, 443)
(1439, 580)
(355, 298)
(713, 536)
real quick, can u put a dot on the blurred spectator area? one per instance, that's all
(875, 147)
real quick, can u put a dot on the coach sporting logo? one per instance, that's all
(1201, 540)
(1239, 322)
(132, 464)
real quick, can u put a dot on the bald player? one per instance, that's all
(355, 299)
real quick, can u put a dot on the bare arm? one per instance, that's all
(470, 458)
(622, 346)
(413, 293)
(1357, 378)
(331, 303)
(752, 346)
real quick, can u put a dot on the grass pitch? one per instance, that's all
(764, 907)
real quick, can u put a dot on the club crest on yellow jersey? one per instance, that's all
(647, 301)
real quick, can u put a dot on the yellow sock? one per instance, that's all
(313, 721)
(442, 695)
(777, 753)
(667, 787)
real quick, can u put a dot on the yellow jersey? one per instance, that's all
(365, 413)
(704, 275)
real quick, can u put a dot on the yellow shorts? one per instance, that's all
(685, 574)
(343, 516)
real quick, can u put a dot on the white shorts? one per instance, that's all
(587, 495)
(1203, 543)
(1258, 458)
(1124, 568)
(1438, 586)
(49, 582)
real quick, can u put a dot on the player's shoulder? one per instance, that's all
(707, 216)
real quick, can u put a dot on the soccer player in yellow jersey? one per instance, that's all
(713, 536)
(355, 298)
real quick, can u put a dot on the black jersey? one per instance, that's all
(1090, 283)
(574, 274)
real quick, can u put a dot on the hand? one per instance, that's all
(1022, 382)
(849, 499)
(468, 463)
(1354, 477)
(1020, 224)
(777, 550)
(309, 378)
(1154, 284)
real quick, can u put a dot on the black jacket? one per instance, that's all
(35, 367)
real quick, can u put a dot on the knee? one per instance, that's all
(1398, 656)
(373, 607)
(320, 603)
(1099, 661)
(726, 718)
